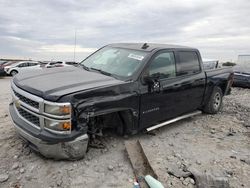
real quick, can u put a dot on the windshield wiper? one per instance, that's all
(101, 71)
(85, 67)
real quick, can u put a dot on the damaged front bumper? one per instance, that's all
(67, 149)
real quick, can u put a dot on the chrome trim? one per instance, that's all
(57, 104)
(27, 95)
(173, 120)
(40, 113)
(41, 109)
(74, 149)
(57, 117)
(41, 102)
(56, 120)
(57, 132)
(30, 123)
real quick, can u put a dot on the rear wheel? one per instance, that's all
(13, 73)
(215, 102)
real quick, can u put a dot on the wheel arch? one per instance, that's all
(124, 120)
(13, 70)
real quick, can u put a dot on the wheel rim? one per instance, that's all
(217, 101)
(13, 73)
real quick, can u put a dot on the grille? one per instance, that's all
(29, 117)
(27, 101)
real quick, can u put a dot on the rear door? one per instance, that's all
(192, 80)
(33, 65)
(22, 66)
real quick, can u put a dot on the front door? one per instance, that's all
(172, 92)
(159, 99)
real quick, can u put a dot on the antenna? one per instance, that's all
(145, 46)
(75, 47)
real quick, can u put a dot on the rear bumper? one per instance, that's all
(70, 150)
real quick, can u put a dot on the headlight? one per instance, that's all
(58, 109)
(58, 126)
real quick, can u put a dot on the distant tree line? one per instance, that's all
(228, 63)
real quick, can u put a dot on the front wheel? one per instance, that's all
(13, 73)
(215, 102)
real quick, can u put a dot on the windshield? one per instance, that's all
(115, 61)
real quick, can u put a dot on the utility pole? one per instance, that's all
(75, 47)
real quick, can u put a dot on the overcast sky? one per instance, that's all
(45, 29)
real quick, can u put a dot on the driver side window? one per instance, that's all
(163, 65)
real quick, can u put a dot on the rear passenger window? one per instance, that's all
(188, 63)
(163, 65)
(23, 65)
(32, 64)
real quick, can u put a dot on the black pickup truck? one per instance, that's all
(129, 87)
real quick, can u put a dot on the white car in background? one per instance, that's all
(22, 66)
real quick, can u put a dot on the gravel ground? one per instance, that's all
(218, 145)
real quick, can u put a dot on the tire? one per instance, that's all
(13, 72)
(214, 104)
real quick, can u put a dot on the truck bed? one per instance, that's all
(218, 77)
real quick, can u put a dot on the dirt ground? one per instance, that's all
(217, 145)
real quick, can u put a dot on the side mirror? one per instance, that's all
(152, 82)
(146, 79)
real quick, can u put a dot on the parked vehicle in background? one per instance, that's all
(210, 63)
(53, 64)
(71, 63)
(129, 87)
(4, 64)
(22, 66)
(43, 64)
(2, 72)
(242, 75)
(60, 64)
(1, 62)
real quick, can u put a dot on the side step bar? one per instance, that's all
(173, 120)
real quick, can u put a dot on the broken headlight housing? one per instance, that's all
(57, 109)
(58, 126)
(58, 117)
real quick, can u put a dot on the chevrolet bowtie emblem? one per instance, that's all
(17, 103)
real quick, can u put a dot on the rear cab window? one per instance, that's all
(188, 63)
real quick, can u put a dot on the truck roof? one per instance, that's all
(150, 46)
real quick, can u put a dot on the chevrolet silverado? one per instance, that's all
(129, 87)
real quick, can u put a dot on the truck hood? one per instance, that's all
(51, 84)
